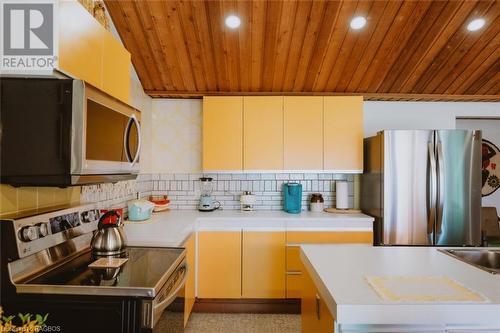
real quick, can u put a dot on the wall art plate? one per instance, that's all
(491, 168)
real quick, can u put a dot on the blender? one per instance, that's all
(207, 202)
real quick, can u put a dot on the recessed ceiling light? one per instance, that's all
(233, 21)
(476, 24)
(358, 22)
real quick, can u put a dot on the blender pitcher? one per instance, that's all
(207, 202)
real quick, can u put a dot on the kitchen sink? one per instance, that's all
(487, 260)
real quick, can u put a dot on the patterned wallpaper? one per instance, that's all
(176, 136)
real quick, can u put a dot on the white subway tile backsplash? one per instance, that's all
(184, 189)
(181, 176)
(239, 176)
(268, 185)
(282, 176)
(195, 176)
(296, 176)
(224, 176)
(167, 176)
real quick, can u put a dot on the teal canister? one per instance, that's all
(292, 198)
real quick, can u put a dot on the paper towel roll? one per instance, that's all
(341, 195)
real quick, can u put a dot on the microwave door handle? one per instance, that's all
(132, 160)
(125, 140)
(139, 141)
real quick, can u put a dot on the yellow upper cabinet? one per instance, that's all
(343, 133)
(303, 133)
(263, 133)
(80, 43)
(116, 68)
(283, 133)
(89, 52)
(222, 133)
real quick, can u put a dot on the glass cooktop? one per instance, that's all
(146, 270)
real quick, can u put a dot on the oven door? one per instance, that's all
(165, 313)
(106, 137)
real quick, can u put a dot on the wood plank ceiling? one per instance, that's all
(409, 50)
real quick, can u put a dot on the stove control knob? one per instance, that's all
(29, 233)
(43, 229)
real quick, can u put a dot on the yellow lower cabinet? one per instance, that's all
(189, 288)
(263, 264)
(219, 264)
(316, 318)
(294, 268)
(308, 306)
(326, 321)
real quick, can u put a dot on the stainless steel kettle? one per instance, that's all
(109, 238)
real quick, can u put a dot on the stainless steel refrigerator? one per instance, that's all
(423, 187)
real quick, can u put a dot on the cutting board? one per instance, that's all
(342, 211)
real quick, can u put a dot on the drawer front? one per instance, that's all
(294, 284)
(321, 237)
(293, 262)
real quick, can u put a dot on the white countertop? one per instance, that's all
(172, 228)
(339, 273)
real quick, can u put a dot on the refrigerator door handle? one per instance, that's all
(431, 210)
(441, 187)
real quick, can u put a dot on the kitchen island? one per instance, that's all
(338, 274)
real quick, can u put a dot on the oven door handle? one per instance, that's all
(163, 304)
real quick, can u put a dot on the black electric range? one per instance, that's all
(50, 272)
(143, 274)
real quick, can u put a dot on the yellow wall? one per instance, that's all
(19, 199)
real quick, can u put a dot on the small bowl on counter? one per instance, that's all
(160, 201)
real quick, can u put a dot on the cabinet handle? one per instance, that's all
(293, 273)
(318, 307)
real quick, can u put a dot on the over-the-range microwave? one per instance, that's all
(64, 132)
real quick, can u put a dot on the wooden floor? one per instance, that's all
(243, 323)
